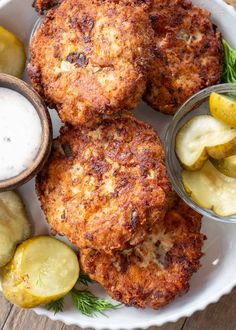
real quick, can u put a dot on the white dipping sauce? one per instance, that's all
(20, 133)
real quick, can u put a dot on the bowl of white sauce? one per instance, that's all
(25, 132)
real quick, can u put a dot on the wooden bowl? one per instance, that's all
(23, 88)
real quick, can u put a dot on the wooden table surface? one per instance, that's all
(219, 316)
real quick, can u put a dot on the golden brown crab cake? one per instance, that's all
(103, 187)
(188, 54)
(89, 58)
(156, 271)
(43, 5)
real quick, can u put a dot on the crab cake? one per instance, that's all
(43, 5)
(156, 271)
(188, 54)
(89, 58)
(105, 187)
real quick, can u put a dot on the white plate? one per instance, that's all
(217, 275)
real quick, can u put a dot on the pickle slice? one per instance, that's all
(223, 108)
(204, 136)
(15, 226)
(43, 269)
(227, 166)
(211, 189)
(12, 54)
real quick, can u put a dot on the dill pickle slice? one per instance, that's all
(43, 269)
(201, 137)
(15, 226)
(12, 54)
(211, 189)
(227, 166)
(223, 108)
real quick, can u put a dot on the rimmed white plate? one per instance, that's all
(217, 275)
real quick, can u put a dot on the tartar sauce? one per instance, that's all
(20, 133)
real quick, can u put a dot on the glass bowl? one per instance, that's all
(36, 26)
(198, 104)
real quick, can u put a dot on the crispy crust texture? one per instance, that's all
(89, 58)
(188, 54)
(156, 271)
(103, 187)
(43, 5)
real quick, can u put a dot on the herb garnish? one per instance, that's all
(84, 301)
(84, 278)
(229, 75)
(57, 306)
(88, 304)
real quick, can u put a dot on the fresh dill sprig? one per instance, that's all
(88, 304)
(84, 278)
(84, 301)
(229, 75)
(56, 306)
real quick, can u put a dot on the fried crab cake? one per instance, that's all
(89, 58)
(103, 187)
(188, 54)
(156, 271)
(43, 5)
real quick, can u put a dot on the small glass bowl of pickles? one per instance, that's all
(12, 54)
(200, 146)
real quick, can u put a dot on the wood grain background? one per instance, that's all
(219, 316)
(231, 2)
